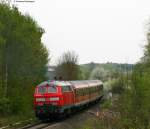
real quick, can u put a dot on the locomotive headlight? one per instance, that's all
(40, 99)
(54, 98)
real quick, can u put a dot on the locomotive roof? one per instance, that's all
(75, 84)
(54, 83)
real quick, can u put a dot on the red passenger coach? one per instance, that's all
(57, 98)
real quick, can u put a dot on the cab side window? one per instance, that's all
(66, 89)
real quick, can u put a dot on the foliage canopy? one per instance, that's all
(23, 57)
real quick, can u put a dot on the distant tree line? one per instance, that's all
(104, 71)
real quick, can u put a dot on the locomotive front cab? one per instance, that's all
(47, 99)
(47, 94)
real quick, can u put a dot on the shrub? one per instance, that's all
(4, 106)
(117, 87)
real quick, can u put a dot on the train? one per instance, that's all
(55, 98)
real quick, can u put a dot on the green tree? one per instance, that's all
(23, 57)
(67, 67)
(99, 73)
(134, 103)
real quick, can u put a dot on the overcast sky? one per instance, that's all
(97, 30)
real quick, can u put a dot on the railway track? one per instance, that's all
(37, 125)
(40, 125)
(14, 125)
(52, 125)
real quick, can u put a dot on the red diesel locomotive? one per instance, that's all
(56, 98)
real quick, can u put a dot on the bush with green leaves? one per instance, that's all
(4, 106)
(117, 87)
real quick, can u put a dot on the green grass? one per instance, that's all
(11, 119)
(106, 104)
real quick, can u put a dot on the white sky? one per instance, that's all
(98, 30)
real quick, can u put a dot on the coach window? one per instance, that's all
(83, 91)
(80, 92)
(95, 89)
(86, 90)
(77, 92)
(90, 90)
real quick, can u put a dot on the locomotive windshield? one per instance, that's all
(52, 89)
(41, 90)
(46, 87)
